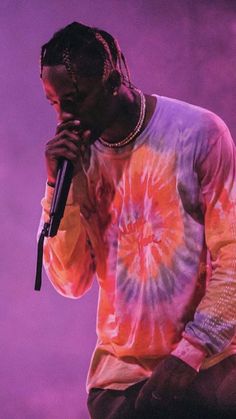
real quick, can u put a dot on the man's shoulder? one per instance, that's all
(186, 115)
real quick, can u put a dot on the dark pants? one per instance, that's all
(211, 396)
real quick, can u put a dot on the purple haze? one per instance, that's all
(178, 48)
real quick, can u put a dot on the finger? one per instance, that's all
(68, 125)
(61, 149)
(70, 135)
(62, 144)
(70, 143)
(86, 135)
(63, 153)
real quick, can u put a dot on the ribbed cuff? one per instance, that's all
(192, 355)
(72, 198)
(49, 190)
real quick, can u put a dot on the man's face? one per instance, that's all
(90, 103)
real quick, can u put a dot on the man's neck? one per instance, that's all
(124, 115)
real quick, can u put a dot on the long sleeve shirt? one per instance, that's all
(155, 223)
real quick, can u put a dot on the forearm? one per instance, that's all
(214, 323)
(68, 257)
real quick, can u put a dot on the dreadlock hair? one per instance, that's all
(94, 52)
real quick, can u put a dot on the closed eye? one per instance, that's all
(68, 105)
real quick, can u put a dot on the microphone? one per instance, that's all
(62, 186)
(50, 228)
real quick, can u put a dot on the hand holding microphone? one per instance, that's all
(69, 143)
(66, 154)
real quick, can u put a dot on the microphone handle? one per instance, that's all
(62, 186)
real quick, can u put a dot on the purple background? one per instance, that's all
(184, 49)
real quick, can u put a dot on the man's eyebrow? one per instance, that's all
(71, 94)
(65, 96)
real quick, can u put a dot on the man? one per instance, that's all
(151, 214)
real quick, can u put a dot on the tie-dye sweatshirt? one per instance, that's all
(155, 223)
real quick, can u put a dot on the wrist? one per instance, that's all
(190, 354)
(51, 183)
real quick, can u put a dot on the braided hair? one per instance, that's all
(93, 51)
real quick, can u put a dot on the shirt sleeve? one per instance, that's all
(70, 256)
(214, 323)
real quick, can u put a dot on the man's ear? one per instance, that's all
(114, 81)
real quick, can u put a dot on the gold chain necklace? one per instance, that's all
(135, 131)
